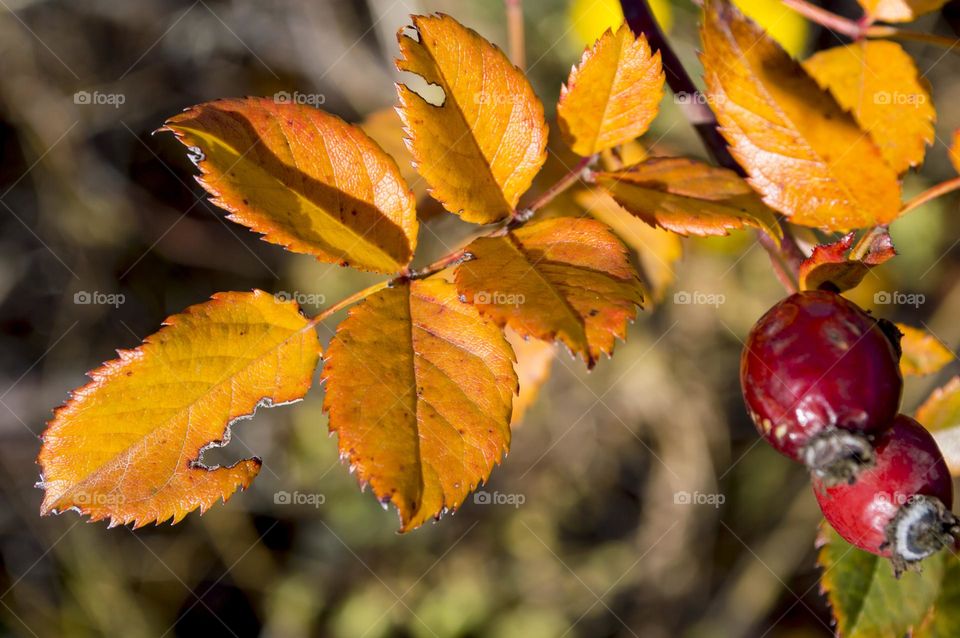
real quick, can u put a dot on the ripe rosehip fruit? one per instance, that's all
(900, 507)
(820, 377)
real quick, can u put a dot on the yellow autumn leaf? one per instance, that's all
(899, 10)
(922, 352)
(877, 81)
(306, 179)
(419, 389)
(658, 250)
(128, 446)
(481, 148)
(689, 197)
(564, 279)
(940, 414)
(802, 152)
(534, 360)
(613, 95)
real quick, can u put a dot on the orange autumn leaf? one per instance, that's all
(899, 10)
(534, 360)
(305, 179)
(832, 266)
(877, 81)
(657, 250)
(563, 278)
(922, 352)
(689, 197)
(128, 446)
(613, 95)
(802, 152)
(419, 389)
(386, 129)
(482, 146)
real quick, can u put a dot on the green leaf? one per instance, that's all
(867, 600)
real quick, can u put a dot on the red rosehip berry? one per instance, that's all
(820, 377)
(900, 507)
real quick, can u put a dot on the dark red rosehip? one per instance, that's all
(900, 507)
(819, 377)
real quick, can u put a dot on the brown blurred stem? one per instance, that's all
(896, 33)
(787, 257)
(515, 32)
(933, 192)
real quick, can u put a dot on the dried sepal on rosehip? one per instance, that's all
(820, 378)
(900, 507)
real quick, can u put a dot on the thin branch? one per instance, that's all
(515, 32)
(896, 33)
(352, 299)
(565, 182)
(933, 192)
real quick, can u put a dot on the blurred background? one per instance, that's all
(635, 500)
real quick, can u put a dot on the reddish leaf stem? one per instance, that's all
(565, 182)
(933, 192)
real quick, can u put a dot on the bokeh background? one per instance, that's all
(104, 234)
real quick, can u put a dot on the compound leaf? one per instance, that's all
(689, 197)
(306, 179)
(562, 278)
(803, 153)
(481, 148)
(129, 445)
(877, 81)
(922, 352)
(419, 391)
(613, 95)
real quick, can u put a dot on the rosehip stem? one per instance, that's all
(514, 9)
(896, 33)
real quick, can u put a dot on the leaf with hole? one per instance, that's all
(482, 146)
(128, 446)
